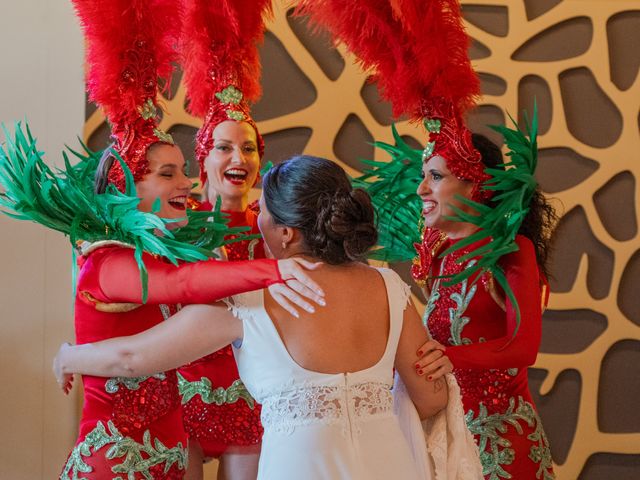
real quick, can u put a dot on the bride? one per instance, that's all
(324, 380)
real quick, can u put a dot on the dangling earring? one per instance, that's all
(284, 245)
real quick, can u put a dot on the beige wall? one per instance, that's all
(41, 79)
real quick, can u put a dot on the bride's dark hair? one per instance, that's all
(315, 196)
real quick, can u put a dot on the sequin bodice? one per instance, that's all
(132, 404)
(467, 313)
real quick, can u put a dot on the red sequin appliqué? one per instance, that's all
(225, 425)
(135, 409)
(220, 426)
(490, 387)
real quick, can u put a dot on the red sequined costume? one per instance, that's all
(475, 323)
(132, 427)
(217, 409)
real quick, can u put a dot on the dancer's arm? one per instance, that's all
(111, 275)
(192, 333)
(429, 396)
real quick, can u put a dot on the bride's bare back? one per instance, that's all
(350, 333)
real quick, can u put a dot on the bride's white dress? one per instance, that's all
(321, 426)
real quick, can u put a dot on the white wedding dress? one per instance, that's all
(321, 426)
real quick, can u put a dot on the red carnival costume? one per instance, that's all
(132, 426)
(489, 318)
(217, 409)
(475, 322)
(487, 310)
(222, 75)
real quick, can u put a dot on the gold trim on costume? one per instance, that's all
(110, 307)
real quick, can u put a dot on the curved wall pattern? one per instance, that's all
(575, 58)
(579, 60)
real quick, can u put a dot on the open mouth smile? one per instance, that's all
(179, 202)
(428, 206)
(236, 176)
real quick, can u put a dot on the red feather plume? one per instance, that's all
(416, 49)
(119, 34)
(219, 48)
(130, 43)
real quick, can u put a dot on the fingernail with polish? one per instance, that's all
(420, 372)
(420, 353)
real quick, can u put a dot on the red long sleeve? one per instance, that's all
(521, 270)
(118, 278)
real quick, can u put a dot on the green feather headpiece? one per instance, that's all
(65, 200)
(514, 185)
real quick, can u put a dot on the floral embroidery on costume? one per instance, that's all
(137, 457)
(113, 384)
(209, 395)
(500, 412)
(496, 451)
(456, 315)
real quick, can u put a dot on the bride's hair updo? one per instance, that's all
(315, 196)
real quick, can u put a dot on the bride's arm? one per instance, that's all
(429, 395)
(192, 333)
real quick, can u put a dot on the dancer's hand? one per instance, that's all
(433, 362)
(297, 285)
(65, 380)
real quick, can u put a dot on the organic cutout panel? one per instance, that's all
(589, 91)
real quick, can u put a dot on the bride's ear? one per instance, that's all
(289, 236)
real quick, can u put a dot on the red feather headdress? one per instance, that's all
(221, 64)
(417, 53)
(130, 43)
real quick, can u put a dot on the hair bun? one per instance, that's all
(345, 225)
(315, 195)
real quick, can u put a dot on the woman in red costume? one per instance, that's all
(417, 52)
(220, 416)
(133, 427)
(490, 336)
(219, 57)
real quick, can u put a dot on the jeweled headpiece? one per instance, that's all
(221, 64)
(130, 43)
(450, 139)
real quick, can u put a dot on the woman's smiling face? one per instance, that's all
(438, 191)
(233, 164)
(166, 180)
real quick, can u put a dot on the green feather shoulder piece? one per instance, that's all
(392, 187)
(65, 200)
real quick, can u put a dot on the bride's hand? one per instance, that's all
(433, 362)
(65, 380)
(297, 285)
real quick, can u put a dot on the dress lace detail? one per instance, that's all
(284, 411)
(238, 307)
